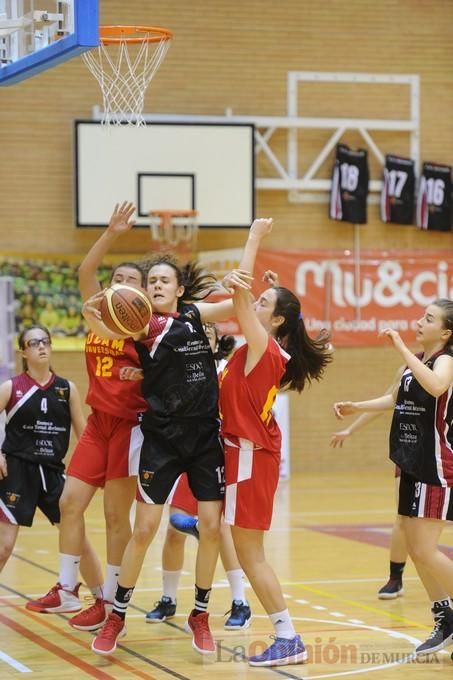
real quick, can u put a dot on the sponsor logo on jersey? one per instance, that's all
(12, 499)
(19, 394)
(147, 474)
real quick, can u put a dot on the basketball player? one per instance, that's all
(183, 520)
(421, 444)
(40, 409)
(108, 451)
(278, 354)
(398, 549)
(181, 432)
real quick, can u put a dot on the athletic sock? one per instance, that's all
(201, 600)
(69, 571)
(283, 624)
(121, 600)
(170, 582)
(237, 585)
(112, 572)
(396, 570)
(97, 592)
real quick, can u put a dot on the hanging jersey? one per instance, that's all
(398, 190)
(180, 378)
(38, 421)
(421, 435)
(246, 400)
(434, 198)
(106, 391)
(349, 190)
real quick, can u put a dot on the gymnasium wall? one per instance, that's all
(236, 55)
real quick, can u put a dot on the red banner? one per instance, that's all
(357, 299)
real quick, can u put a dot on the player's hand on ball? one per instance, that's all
(92, 305)
(120, 220)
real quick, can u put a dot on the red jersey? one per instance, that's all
(106, 391)
(246, 400)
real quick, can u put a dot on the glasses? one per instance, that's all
(45, 342)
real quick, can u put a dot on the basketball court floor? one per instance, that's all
(328, 544)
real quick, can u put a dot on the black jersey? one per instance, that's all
(180, 377)
(398, 190)
(434, 198)
(421, 435)
(38, 421)
(349, 190)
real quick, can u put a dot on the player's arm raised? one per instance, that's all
(120, 222)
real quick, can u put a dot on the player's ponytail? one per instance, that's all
(225, 345)
(197, 283)
(309, 356)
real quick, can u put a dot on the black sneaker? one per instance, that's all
(240, 615)
(442, 633)
(392, 589)
(164, 609)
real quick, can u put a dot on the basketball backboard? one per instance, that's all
(166, 166)
(38, 34)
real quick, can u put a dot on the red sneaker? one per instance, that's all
(105, 641)
(94, 617)
(202, 640)
(56, 601)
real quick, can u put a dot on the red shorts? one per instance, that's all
(109, 448)
(181, 496)
(251, 479)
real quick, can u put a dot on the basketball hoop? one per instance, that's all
(124, 64)
(174, 231)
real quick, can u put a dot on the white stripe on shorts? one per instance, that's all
(7, 513)
(245, 459)
(229, 513)
(135, 446)
(446, 502)
(245, 465)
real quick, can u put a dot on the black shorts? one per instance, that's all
(29, 486)
(185, 445)
(417, 499)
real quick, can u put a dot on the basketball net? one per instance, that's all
(175, 232)
(124, 64)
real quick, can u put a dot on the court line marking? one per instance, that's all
(367, 608)
(17, 665)
(53, 649)
(40, 618)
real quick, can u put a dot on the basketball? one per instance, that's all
(125, 309)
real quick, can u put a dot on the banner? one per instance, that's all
(355, 300)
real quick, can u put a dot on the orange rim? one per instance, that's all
(116, 34)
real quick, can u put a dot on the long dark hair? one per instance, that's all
(447, 311)
(225, 345)
(21, 339)
(309, 357)
(196, 281)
